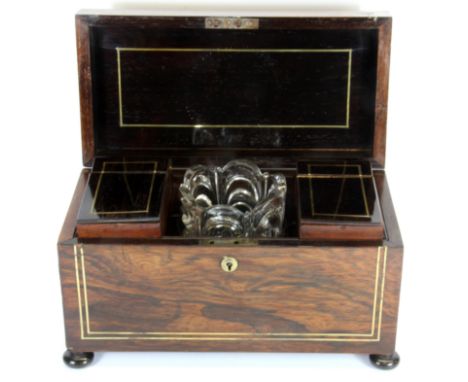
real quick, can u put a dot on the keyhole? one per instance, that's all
(229, 264)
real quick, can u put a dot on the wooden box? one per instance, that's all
(303, 96)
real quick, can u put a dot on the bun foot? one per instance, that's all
(385, 361)
(77, 359)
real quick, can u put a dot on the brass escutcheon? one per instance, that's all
(229, 264)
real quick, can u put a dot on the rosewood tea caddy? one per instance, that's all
(302, 98)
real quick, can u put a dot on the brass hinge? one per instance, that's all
(230, 23)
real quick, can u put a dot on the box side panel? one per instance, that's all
(68, 228)
(71, 299)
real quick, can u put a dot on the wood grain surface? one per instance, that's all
(340, 232)
(163, 297)
(381, 99)
(86, 89)
(151, 296)
(119, 230)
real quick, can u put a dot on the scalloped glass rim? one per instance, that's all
(237, 200)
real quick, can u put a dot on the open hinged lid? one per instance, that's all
(156, 84)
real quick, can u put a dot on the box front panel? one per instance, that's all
(278, 299)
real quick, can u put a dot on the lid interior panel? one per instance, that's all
(182, 88)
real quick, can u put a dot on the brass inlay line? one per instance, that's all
(85, 289)
(318, 149)
(119, 84)
(348, 93)
(231, 339)
(232, 336)
(335, 164)
(360, 176)
(131, 172)
(98, 187)
(343, 215)
(337, 176)
(104, 171)
(78, 287)
(382, 290)
(243, 334)
(131, 162)
(312, 175)
(152, 185)
(376, 287)
(345, 165)
(340, 197)
(234, 126)
(122, 212)
(364, 195)
(232, 50)
(311, 193)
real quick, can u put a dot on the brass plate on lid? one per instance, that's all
(231, 23)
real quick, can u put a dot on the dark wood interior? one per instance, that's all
(167, 85)
(339, 201)
(145, 199)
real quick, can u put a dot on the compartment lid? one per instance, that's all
(308, 85)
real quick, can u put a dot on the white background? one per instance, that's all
(426, 166)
